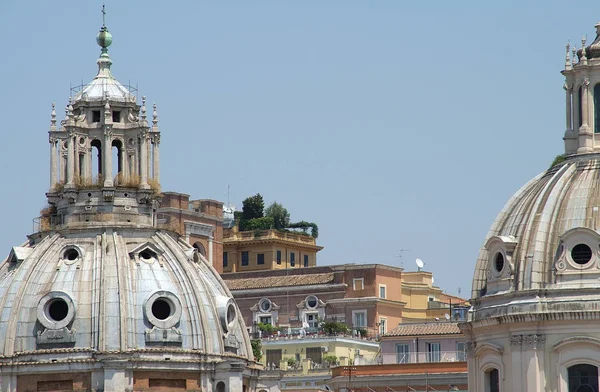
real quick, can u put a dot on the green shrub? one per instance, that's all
(256, 349)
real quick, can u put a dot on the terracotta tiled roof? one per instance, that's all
(440, 328)
(279, 281)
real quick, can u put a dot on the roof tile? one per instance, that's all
(423, 329)
(279, 281)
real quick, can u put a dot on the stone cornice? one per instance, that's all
(533, 317)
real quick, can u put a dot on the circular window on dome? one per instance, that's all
(71, 255)
(312, 302)
(265, 305)
(147, 255)
(581, 254)
(163, 309)
(56, 310)
(499, 262)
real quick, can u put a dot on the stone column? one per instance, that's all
(83, 170)
(210, 250)
(144, 160)
(155, 155)
(148, 160)
(70, 160)
(107, 157)
(569, 114)
(53, 162)
(585, 133)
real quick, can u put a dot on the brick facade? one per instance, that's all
(59, 382)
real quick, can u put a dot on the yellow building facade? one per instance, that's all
(288, 353)
(267, 250)
(426, 302)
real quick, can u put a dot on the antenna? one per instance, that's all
(227, 195)
(459, 291)
(447, 316)
(420, 264)
(400, 256)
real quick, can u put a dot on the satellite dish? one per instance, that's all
(447, 316)
(420, 264)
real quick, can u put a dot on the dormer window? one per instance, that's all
(116, 116)
(581, 254)
(95, 116)
(499, 262)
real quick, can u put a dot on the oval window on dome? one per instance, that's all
(581, 254)
(499, 262)
(230, 314)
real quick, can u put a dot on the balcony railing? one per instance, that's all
(315, 333)
(419, 357)
(229, 235)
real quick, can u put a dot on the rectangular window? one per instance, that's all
(382, 326)
(260, 258)
(382, 291)
(360, 319)
(402, 353)
(312, 320)
(95, 115)
(460, 351)
(245, 258)
(306, 260)
(274, 357)
(358, 284)
(265, 320)
(278, 257)
(292, 259)
(225, 259)
(314, 353)
(116, 115)
(433, 352)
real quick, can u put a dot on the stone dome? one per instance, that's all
(116, 291)
(547, 237)
(548, 234)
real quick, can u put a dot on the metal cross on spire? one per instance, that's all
(103, 16)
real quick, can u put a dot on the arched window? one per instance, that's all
(117, 157)
(200, 248)
(220, 387)
(96, 159)
(492, 380)
(580, 106)
(583, 378)
(597, 108)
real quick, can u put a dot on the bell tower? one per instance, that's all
(104, 154)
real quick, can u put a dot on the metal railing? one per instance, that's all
(311, 333)
(418, 357)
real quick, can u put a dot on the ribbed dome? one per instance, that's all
(128, 291)
(547, 235)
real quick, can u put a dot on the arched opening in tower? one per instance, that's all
(117, 158)
(96, 160)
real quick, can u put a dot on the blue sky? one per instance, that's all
(391, 124)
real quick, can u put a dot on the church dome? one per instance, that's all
(102, 297)
(547, 235)
(117, 290)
